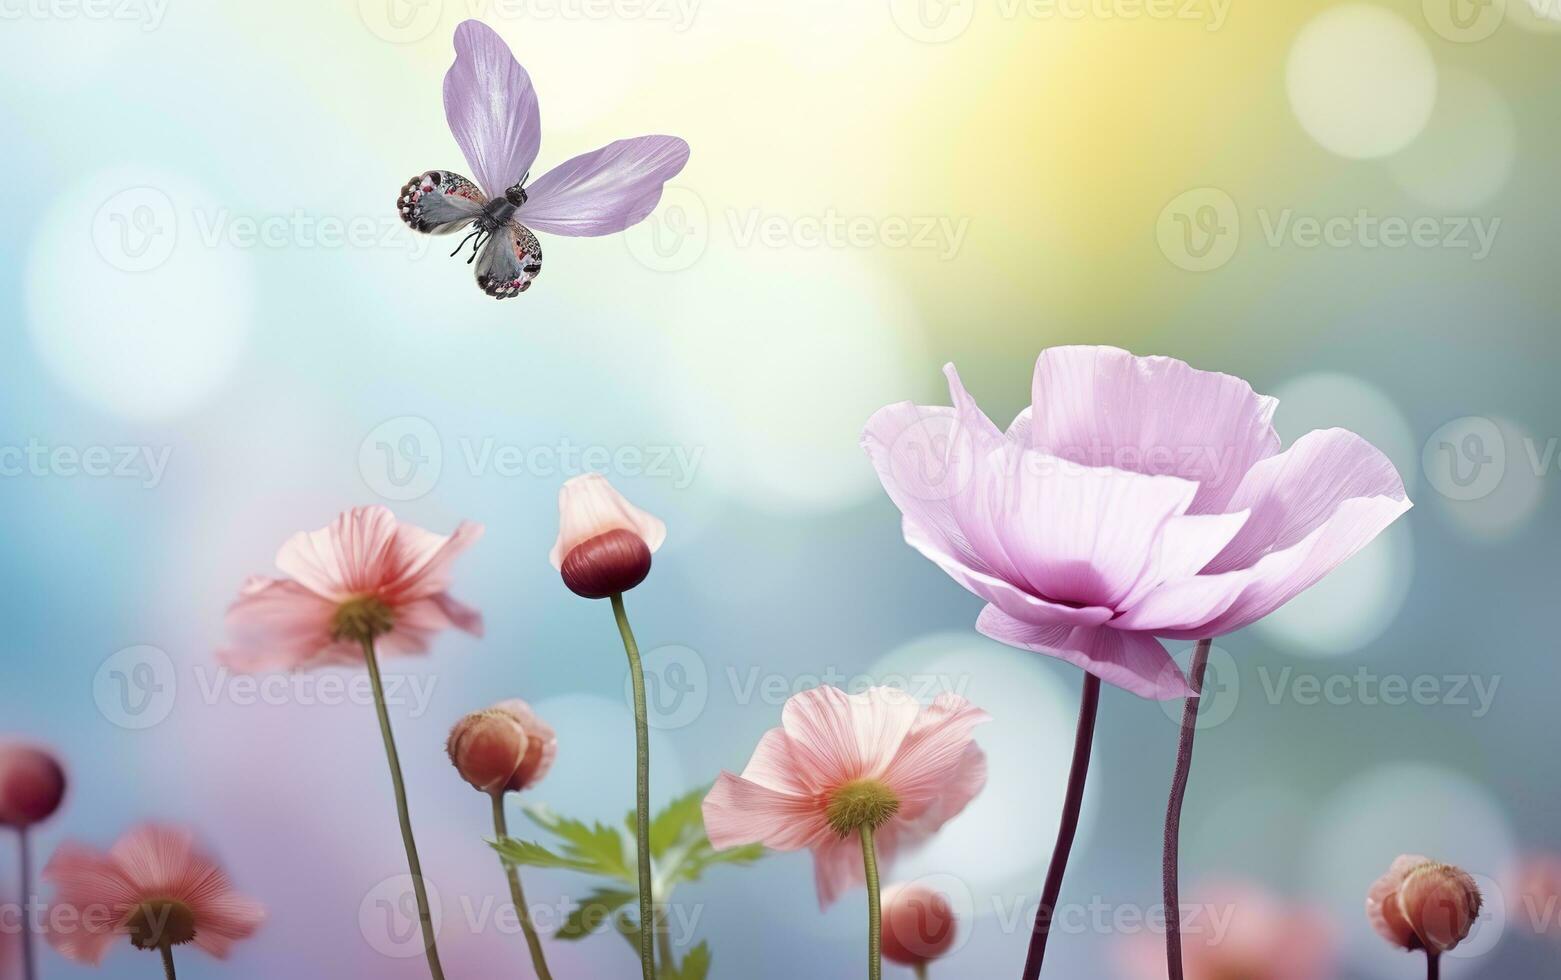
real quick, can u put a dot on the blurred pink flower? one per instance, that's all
(1137, 498)
(918, 924)
(364, 573)
(32, 785)
(152, 887)
(916, 768)
(1242, 931)
(1536, 882)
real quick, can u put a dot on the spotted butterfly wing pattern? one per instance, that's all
(492, 111)
(508, 262)
(439, 202)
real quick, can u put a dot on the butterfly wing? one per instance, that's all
(491, 108)
(439, 201)
(509, 260)
(606, 190)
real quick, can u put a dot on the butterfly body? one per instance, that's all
(492, 111)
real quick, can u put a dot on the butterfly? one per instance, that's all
(492, 111)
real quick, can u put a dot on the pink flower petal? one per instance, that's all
(421, 560)
(346, 558)
(837, 737)
(932, 752)
(1133, 661)
(1106, 407)
(739, 812)
(276, 625)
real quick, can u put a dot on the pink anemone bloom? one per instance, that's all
(364, 574)
(153, 887)
(835, 751)
(1240, 930)
(1135, 499)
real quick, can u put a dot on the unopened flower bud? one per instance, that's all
(32, 784)
(918, 924)
(487, 747)
(604, 542)
(1423, 904)
(541, 745)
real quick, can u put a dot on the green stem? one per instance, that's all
(167, 952)
(642, 791)
(874, 910)
(424, 918)
(29, 955)
(501, 828)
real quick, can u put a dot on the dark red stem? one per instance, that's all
(1083, 742)
(1173, 815)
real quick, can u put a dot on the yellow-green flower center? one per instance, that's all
(159, 923)
(362, 620)
(861, 803)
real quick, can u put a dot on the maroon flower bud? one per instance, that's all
(918, 925)
(32, 784)
(487, 747)
(1421, 904)
(604, 542)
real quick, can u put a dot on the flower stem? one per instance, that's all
(29, 962)
(641, 791)
(874, 909)
(424, 917)
(1173, 814)
(1433, 965)
(1083, 743)
(517, 894)
(921, 971)
(167, 952)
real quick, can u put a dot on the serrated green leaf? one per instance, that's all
(596, 848)
(695, 966)
(680, 820)
(594, 911)
(533, 855)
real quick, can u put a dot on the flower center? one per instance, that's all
(363, 619)
(160, 922)
(861, 803)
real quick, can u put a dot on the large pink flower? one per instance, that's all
(1240, 930)
(1137, 498)
(364, 570)
(153, 886)
(830, 744)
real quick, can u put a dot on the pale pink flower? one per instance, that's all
(1240, 930)
(32, 785)
(365, 573)
(1136, 499)
(1423, 904)
(153, 886)
(918, 765)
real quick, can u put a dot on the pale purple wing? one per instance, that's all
(491, 108)
(606, 190)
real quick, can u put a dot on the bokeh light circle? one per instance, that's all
(1362, 82)
(1391, 810)
(132, 303)
(1466, 153)
(596, 736)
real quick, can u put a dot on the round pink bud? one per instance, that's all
(32, 784)
(1537, 883)
(604, 542)
(918, 924)
(1423, 904)
(487, 748)
(541, 745)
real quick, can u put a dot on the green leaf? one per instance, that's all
(682, 819)
(596, 848)
(695, 966)
(594, 910)
(533, 855)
